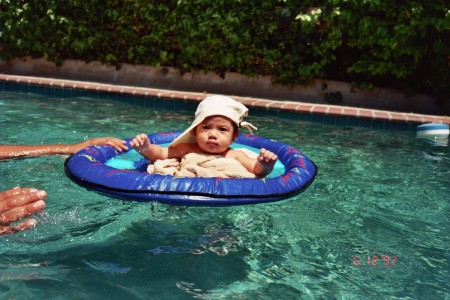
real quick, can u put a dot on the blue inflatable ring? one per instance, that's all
(89, 168)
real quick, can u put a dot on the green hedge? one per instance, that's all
(400, 44)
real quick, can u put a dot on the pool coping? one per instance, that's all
(282, 105)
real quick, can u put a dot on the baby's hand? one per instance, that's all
(141, 143)
(267, 158)
(265, 163)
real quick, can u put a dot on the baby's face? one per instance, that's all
(215, 134)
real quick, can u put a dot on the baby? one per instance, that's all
(216, 126)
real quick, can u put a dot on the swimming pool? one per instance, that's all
(373, 225)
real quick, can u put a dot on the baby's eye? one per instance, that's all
(223, 129)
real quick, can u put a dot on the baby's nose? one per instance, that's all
(212, 134)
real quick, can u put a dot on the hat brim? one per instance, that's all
(186, 137)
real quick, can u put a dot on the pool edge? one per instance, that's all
(280, 105)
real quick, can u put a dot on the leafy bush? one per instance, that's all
(401, 44)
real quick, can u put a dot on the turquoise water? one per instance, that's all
(378, 194)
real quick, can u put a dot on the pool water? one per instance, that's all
(374, 225)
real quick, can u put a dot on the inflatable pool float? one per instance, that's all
(432, 131)
(123, 175)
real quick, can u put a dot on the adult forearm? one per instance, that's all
(16, 151)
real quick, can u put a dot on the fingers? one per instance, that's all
(139, 140)
(18, 191)
(267, 156)
(28, 224)
(20, 212)
(16, 204)
(119, 145)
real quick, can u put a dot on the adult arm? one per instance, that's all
(16, 151)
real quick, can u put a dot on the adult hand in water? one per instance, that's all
(17, 204)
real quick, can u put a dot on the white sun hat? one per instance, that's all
(216, 105)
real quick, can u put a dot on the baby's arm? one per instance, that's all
(265, 163)
(150, 151)
(153, 152)
(261, 166)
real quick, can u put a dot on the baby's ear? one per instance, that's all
(193, 132)
(236, 134)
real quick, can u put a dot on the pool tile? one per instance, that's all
(307, 117)
(58, 93)
(390, 125)
(353, 122)
(179, 105)
(378, 124)
(317, 118)
(285, 114)
(341, 121)
(364, 122)
(273, 112)
(23, 88)
(329, 120)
